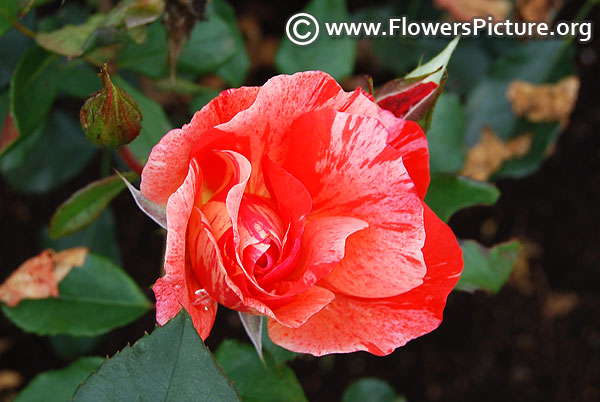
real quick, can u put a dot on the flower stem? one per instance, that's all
(130, 160)
(23, 29)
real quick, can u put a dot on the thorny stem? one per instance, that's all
(130, 160)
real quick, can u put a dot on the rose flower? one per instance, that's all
(303, 203)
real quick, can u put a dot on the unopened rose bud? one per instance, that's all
(110, 117)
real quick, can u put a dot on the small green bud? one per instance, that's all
(110, 117)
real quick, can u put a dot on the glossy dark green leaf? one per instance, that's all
(170, 365)
(445, 137)
(42, 170)
(33, 88)
(487, 269)
(100, 237)
(448, 194)
(59, 385)
(155, 122)
(255, 381)
(332, 55)
(86, 205)
(372, 390)
(92, 300)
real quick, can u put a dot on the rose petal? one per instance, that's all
(168, 162)
(177, 287)
(323, 246)
(282, 99)
(379, 326)
(345, 164)
(408, 138)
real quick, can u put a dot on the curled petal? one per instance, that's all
(178, 287)
(168, 162)
(265, 124)
(381, 325)
(349, 170)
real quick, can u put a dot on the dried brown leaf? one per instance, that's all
(537, 10)
(466, 10)
(559, 304)
(485, 158)
(38, 277)
(10, 379)
(546, 102)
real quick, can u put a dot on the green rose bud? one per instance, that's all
(110, 117)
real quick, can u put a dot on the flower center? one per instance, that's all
(261, 232)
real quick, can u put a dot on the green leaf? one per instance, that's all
(332, 55)
(155, 122)
(17, 154)
(70, 40)
(279, 355)
(77, 79)
(13, 45)
(33, 88)
(59, 385)
(170, 365)
(148, 58)
(446, 135)
(92, 300)
(255, 381)
(71, 347)
(487, 105)
(212, 42)
(86, 205)
(487, 269)
(372, 390)
(448, 194)
(235, 69)
(100, 237)
(42, 170)
(544, 135)
(8, 14)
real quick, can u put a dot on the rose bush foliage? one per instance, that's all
(303, 203)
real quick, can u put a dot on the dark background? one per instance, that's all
(537, 340)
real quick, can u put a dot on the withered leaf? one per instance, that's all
(485, 158)
(466, 10)
(545, 102)
(39, 276)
